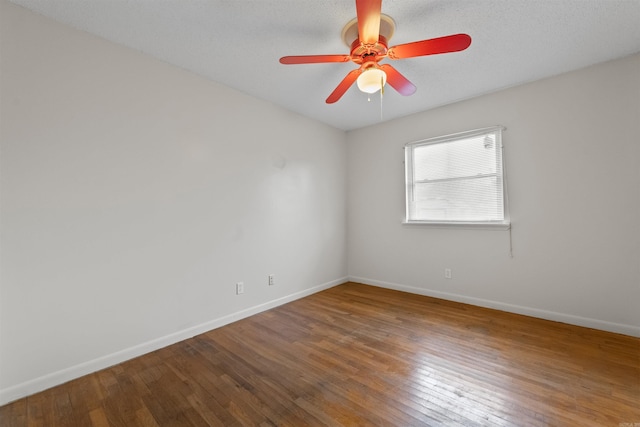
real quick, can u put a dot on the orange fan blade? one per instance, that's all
(313, 59)
(453, 43)
(368, 14)
(343, 86)
(398, 81)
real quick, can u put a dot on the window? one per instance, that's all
(457, 179)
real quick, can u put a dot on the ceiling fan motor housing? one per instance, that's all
(361, 53)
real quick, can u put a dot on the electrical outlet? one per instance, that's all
(272, 279)
(447, 273)
(239, 288)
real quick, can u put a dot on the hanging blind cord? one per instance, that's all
(506, 197)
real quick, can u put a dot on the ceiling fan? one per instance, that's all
(368, 36)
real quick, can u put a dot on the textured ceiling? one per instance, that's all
(238, 43)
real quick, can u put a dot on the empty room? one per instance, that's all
(336, 213)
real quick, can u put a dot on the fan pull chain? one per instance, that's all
(381, 95)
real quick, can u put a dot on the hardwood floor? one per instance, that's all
(356, 355)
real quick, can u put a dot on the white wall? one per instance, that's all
(135, 195)
(573, 162)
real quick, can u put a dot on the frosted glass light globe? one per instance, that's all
(371, 80)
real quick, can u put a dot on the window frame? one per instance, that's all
(504, 224)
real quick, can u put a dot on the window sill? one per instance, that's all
(462, 224)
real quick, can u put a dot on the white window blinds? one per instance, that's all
(456, 179)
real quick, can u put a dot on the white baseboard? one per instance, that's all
(602, 325)
(59, 377)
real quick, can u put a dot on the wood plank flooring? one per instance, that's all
(356, 355)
